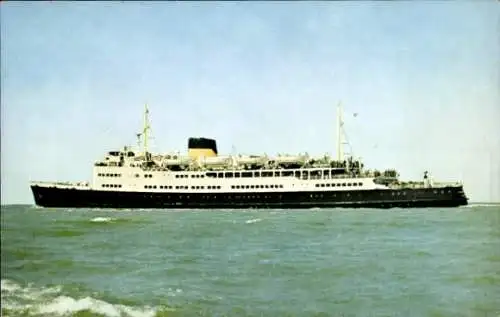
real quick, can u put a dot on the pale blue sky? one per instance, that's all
(264, 77)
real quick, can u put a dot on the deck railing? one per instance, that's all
(63, 184)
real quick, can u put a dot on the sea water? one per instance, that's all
(321, 262)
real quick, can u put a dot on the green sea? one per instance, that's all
(317, 262)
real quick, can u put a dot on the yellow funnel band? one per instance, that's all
(201, 152)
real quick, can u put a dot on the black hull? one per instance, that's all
(402, 198)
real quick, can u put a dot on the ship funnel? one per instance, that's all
(202, 147)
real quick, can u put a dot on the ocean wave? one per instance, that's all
(49, 301)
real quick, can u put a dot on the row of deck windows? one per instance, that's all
(109, 175)
(192, 176)
(339, 184)
(255, 186)
(214, 197)
(111, 185)
(308, 174)
(179, 187)
(161, 187)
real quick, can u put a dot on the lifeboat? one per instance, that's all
(175, 160)
(215, 161)
(251, 160)
(290, 159)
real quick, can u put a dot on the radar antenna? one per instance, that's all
(138, 135)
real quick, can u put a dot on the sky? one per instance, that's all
(262, 77)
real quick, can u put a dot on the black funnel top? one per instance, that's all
(202, 143)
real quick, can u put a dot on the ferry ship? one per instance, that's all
(134, 177)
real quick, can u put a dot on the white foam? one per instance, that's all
(472, 205)
(101, 219)
(27, 293)
(49, 301)
(9, 286)
(253, 220)
(64, 305)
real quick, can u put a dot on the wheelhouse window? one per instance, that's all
(315, 174)
(326, 173)
(305, 175)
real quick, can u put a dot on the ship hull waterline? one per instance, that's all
(56, 197)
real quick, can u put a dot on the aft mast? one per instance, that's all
(146, 128)
(340, 141)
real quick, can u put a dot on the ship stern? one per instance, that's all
(459, 196)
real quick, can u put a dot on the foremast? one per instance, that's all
(145, 133)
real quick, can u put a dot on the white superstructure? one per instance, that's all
(133, 170)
